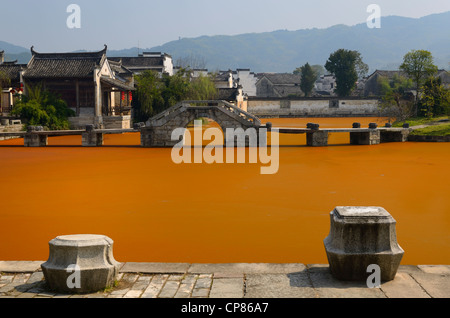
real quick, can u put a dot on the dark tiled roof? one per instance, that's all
(281, 78)
(64, 65)
(141, 62)
(286, 91)
(12, 71)
(388, 74)
(118, 68)
(445, 77)
(222, 77)
(117, 83)
(227, 93)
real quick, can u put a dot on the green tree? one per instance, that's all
(347, 66)
(308, 78)
(435, 99)
(148, 95)
(202, 88)
(418, 65)
(319, 70)
(43, 108)
(155, 94)
(397, 102)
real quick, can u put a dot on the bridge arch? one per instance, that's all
(158, 130)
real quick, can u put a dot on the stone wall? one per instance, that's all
(418, 138)
(117, 122)
(10, 128)
(319, 107)
(109, 122)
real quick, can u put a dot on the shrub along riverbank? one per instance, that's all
(438, 126)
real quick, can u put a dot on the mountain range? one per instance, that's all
(284, 51)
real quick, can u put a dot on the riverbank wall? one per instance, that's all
(313, 107)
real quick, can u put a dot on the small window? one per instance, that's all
(334, 103)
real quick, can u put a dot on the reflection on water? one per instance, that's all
(157, 211)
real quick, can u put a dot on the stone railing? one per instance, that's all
(210, 103)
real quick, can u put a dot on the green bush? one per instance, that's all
(43, 108)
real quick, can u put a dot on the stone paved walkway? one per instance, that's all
(182, 280)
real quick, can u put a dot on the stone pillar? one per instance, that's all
(80, 264)
(317, 138)
(359, 237)
(147, 137)
(394, 136)
(371, 137)
(33, 139)
(157, 137)
(138, 126)
(90, 138)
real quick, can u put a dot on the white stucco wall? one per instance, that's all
(312, 108)
(247, 80)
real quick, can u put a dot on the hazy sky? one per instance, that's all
(125, 24)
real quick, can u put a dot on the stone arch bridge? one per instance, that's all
(158, 130)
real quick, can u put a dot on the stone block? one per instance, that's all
(394, 136)
(32, 139)
(371, 137)
(359, 237)
(93, 257)
(317, 138)
(91, 139)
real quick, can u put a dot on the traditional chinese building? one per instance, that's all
(11, 83)
(147, 61)
(99, 91)
(278, 85)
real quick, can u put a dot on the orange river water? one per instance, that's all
(158, 211)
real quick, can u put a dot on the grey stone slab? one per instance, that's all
(46, 294)
(20, 279)
(20, 266)
(435, 269)
(326, 286)
(97, 295)
(200, 293)
(403, 286)
(26, 295)
(169, 290)
(155, 286)
(203, 281)
(246, 268)
(227, 288)
(228, 275)
(7, 288)
(294, 285)
(133, 293)
(410, 269)
(62, 296)
(436, 285)
(186, 287)
(35, 277)
(151, 268)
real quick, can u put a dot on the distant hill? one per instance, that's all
(283, 51)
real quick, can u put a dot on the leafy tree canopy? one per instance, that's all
(43, 108)
(347, 66)
(308, 78)
(418, 65)
(155, 94)
(435, 99)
